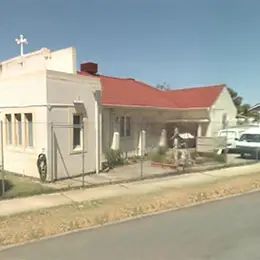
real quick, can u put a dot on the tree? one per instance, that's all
(164, 86)
(242, 109)
(236, 98)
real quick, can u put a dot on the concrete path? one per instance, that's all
(14, 206)
(223, 230)
(135, 171)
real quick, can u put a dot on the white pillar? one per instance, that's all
(97, 135)
(100, 138)
(175, 145)
(199, 131)
(163, 139)
(209, 130)
(115, 141)
(142, 143)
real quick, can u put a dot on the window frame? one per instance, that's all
(125, 128)
(80, 127)
(9, 135)
(27, 143)
(18, 124)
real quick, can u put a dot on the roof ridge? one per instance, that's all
(197, 87)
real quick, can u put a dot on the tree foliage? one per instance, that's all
(242, 109)
(164, 86)
(236, 98)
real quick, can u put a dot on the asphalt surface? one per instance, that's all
(224, 230)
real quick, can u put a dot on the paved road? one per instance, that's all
(224, 230)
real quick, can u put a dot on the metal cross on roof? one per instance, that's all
(21, 41)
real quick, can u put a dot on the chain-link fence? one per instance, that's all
(164, 149)
(39, 157)
(36, 155)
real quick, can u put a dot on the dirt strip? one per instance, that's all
(31, 226)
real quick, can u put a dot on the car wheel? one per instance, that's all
(242, 155)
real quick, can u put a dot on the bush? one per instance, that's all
(114, 158)
(156, 157)
(159, 155)
(162, 150)
(221, 158)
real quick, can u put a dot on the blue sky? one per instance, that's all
(184, 43)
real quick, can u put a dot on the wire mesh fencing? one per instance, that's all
(36, 155)
(162, 149)
(62, 155)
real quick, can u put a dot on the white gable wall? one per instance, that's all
(223, 104)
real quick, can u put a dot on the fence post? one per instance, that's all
(83, 153)
(142, 166)
(226, 142)
(52, 151)
(2, 155)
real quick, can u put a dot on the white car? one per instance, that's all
(232, 135)
(249, 142)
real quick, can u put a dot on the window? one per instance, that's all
(29, 129)
(8, 119)
(250, 138)
(77, 131)
(18, 129)
(125, 126)
(122, 126)
(229, 134)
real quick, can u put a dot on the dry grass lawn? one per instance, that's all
(34, 225)
(21, 186)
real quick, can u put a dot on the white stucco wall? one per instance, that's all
(45, 84)
(223, 104)
(24, 93)
(62, 60)
(62, 90)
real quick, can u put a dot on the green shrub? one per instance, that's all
(194, 155)
(156, 157)
(114, 158)
(162, 150)
(220, 158)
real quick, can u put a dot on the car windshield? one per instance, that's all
(229, 134)
(250, 138)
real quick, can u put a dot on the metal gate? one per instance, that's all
(61, 139)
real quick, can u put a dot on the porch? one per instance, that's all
(134, 128)
(194, 127)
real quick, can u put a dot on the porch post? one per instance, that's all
(163, 139)
(97, 130)
(141, 143)
(199, 130)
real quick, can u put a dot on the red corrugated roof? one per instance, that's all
(195, 97)
(130, 92)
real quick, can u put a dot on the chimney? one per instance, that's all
(89, 67)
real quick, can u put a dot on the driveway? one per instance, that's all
(223, 230)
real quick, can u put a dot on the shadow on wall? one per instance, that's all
(7, 185)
